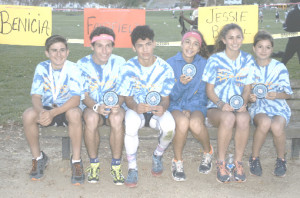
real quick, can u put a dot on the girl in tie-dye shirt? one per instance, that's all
(271, 112)
(227, 73)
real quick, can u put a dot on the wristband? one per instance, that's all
(95, 107)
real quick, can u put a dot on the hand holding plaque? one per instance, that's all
(189, 70)
(236, 102)
(153, 98)
(260, 90)
(111, 99)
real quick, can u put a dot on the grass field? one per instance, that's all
(17, 63)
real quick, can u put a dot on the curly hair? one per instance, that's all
(219, 45)
(141, 32)
(55, 39)
(102, 30)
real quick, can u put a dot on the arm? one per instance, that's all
(139, 108)
(210, 92)
(160, 109)
(246, 97)
(46, 116)
(276, 95)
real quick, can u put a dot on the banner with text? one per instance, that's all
(25, 25)
(212, 19)
(122, 21)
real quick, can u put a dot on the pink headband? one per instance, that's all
(102, 37)
(192, 34)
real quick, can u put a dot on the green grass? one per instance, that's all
(17, 63)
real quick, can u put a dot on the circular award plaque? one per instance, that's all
(260, 90)
(189, 70)
(110, 98)
(236, 102)
(153, 98)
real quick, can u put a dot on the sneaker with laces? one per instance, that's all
(206, 163)
(255, 167)
(132, 178)
(280, 167)
(223, 175)
(177, 170)
(38, 167)
(77, 173)
(157, 165)
(93, 172)
(238, 172)
(116, 173)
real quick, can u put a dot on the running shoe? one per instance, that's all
(157, 165)
(206, 163)
(223, 175)
(238, 172)
(132, 178)
(280, 167)
(177, 170)
(93, 172)
(38, 167)
(255, 167)
(116, 173)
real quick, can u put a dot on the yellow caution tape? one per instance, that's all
(178, 43)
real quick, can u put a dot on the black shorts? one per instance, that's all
(59, 120)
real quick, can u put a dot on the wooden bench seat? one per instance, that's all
(292, 130)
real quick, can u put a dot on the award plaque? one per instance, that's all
(110, 98)
(189, 70)
(153, 98)
(260, 90)
(236, 102)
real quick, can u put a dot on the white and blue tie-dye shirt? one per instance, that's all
(276, 77)
(228, 76)
(138, 81)
(101, 78)
(71, 83)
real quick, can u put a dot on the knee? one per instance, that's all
(29, 116)
(132, 123)
(197, 125)
(167, 122)
(91, 120)
(116, 119)
(182, 125)
(277, 129)
(228, 120)
(264, 125)
(243, 120)
(74, 115)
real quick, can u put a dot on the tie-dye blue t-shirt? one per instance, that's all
(228, 76)
(101, 78)
(276, 77)
(138, 81)
(71, 83)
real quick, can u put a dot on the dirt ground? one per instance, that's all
(16, 163)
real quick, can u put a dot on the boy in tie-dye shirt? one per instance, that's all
(101, 70)
(56, 92)
(140, 75)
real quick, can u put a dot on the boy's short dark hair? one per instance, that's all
(141, 32)
(55, 39)
(102, 30)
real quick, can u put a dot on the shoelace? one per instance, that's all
(206, 159)
(78, 169)
(222, 168)
(34, 165)
(255, 163)
(280, 163)
(179, 166)
(239, 168)
(92, 170)
(117, 172)
(132, 175)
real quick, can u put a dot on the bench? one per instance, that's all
(292, 131)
